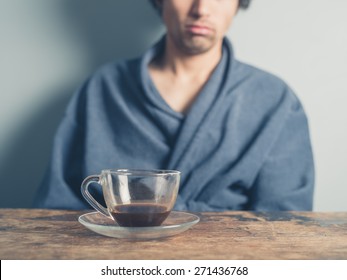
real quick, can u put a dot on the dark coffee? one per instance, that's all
(140, 215)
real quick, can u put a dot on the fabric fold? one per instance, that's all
(243, 145)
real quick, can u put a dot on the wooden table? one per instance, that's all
(47, 234)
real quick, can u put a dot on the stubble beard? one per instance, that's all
(195, 44)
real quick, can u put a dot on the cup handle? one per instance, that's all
(90, 199)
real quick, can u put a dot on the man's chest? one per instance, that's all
(179, 94)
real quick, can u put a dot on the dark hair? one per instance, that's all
(243, 4)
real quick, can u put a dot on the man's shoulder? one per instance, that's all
(257, 75)
(258, 81)
(111, 78)
(116, 68)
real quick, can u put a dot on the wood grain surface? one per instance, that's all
(56, 234)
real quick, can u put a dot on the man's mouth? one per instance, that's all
(198, 29)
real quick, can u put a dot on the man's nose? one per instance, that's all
(200, 8)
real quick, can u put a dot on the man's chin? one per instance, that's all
(197, 46)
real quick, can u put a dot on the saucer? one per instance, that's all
(175, 223)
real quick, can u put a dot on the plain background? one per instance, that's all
(49, 47)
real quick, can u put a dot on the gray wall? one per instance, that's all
(48, 48)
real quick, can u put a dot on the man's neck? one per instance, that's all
(179, 77)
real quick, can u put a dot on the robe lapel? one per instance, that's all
(200, 116)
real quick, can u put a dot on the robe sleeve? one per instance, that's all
(286, 179)
(60, 188)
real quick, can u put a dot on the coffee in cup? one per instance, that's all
(135, 198)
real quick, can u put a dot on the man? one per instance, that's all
(239, 135)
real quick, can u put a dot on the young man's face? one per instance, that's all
(196, 26)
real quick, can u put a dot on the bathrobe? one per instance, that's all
(244, 144)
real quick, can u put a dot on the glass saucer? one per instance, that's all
(175, 223)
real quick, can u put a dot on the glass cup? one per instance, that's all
(135, 198)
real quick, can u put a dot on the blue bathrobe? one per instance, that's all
(243, 145)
